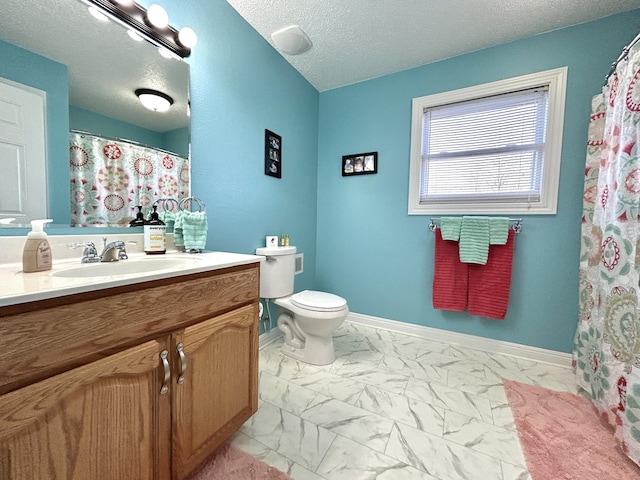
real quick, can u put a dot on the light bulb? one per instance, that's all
(164, 52)
(187, 37)
(97, 14)
(157, 16)
(134, 36)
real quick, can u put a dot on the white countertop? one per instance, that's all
(17, 287)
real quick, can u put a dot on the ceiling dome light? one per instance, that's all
(157, 16)
(154, 100)
(97, 14)
(187, 37)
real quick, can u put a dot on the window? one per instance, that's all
(490, 149)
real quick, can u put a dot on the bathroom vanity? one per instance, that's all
(131, 376)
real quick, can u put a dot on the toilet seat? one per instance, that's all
(318, 301)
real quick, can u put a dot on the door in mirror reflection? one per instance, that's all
(23, 180)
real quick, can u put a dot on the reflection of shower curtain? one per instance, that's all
(607, 342)
(110, 177)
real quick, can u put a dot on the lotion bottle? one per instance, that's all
(36, 256)
(154, 234)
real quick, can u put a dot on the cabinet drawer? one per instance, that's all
(55, 335)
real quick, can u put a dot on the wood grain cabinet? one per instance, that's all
(151, 406)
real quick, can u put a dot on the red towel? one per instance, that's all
(489, 284)
(450, 276)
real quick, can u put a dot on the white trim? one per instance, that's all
(490, 345)
(268, 337)
(464, 340)
(557, 81)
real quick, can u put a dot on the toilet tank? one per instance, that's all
(277, 271)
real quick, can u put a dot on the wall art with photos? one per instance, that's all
(272, 154)
(359, 164)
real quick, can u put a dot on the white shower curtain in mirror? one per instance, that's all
(607, 343)
(109, 178)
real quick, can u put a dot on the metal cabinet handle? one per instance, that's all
(164, 355)
(183, 363)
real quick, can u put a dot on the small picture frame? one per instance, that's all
(272, 154)
(360, 164)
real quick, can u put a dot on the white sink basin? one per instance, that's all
(124, 267)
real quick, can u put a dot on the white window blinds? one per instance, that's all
(488, 150)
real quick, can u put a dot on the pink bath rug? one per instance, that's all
(563, 438)
(230, 463)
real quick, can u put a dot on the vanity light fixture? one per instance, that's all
(154, 100)
(151, 24)
(187, 37)
(157, 16)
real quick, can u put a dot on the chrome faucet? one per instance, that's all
(89, 254)
(113, 251)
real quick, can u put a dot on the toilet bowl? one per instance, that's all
(307, 319)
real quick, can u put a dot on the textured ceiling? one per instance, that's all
(105, 66)
(355, 40)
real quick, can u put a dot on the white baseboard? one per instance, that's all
(269, 337)
(462, 339)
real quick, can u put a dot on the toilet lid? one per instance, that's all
(318, 301)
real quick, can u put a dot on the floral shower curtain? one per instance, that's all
(109, 178)
(607, 343)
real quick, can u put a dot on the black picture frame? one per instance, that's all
(272, 154)
(360, 164)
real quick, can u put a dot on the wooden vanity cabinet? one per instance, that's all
(105, 416)
(104, 420)
(216, 397)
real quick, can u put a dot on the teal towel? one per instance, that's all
(450, 228)
(474, 240)
(178, 237)
(169, 218)
(498, 230)
(194, 230)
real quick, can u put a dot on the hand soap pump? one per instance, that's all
(154, 234)
(139, 220)
(36, 256)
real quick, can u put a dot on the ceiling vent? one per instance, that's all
(291, 40)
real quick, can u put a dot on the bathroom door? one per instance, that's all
(23, 162)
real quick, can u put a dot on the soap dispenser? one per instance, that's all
(139, 220)
(36, 256)
(154, 234)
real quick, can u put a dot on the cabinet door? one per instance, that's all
(103, 420)
(220, 388)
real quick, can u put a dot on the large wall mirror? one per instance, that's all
(90, 71)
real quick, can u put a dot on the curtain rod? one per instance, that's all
(132, 142)
(623, 55)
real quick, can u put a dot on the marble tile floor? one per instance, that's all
(392, 407)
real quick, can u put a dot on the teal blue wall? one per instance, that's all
(27, 68)
(381, 259)
(241, 86)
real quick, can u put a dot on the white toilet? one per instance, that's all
(307, 319)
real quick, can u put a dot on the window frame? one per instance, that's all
(555, 80)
